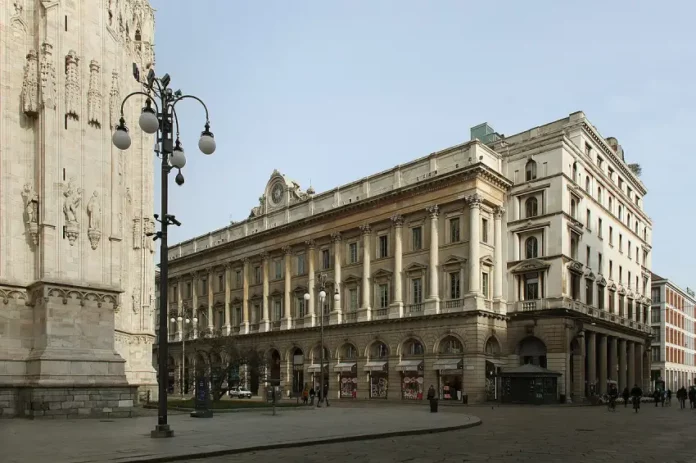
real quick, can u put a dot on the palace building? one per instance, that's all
(481, 269)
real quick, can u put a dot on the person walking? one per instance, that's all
(657, 395)
(305, 394)
(626, 395)
(325, 394)
(692, 397)
(312, 393)
(669, 397)
(681, 397)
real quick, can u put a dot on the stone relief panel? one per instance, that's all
(31, 212)
(72, 85)
(48, 77)
(71, 208)
(94, 220)
(137, 234)
(94, 96)
(148, 230)
(114, 100)
(30, 85)
(136, 299)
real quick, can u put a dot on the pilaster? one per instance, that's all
(227, 329)
(365, 312)
(310, 318)
(396, 308)
(500, 267)
(432, 303)
(286, 322)
(474, 263)
(244, 325)
(337, 313)
(265, 324)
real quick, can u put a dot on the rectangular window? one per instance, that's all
(574, 246)
(588, 220)
(455, 288)
(175, 294)
(277, 309)
(612, 301)
(237, 316)
(600, 162)
(484, 230)
(588, 291)
(188, 289)
(611, 270)
(655, 293)
(278, 269)
(620, 243)
(611, 236)
(221, 282)
(204, 286)
(353, 253)
(238, 279)
(599, 262)
(383, 246)
(454, 230)
(600, 297)
(257, 275)
(417, 238)
(300, 307)
(485, 288)
(629, 249)
(599, 228)
(620, 274)
(417, 294)
(325, 259)
(353, 299)
(383, 296)
(531, 287)
(587, 259)
(301, 260)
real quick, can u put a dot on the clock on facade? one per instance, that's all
(277, 193)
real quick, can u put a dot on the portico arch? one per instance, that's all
(532, 350)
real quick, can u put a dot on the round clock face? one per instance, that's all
(277, 193)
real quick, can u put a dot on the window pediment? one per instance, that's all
(382, 275)
(454, 262)
(589, 275)
(530, 265)
(276, 293)
(256, 297)
(622, 291)
(487, 260)
(300, 289)
(612, 286)
(601, 280)
(416, 269)
(576, 267)
(352, 280)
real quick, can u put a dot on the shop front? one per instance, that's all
(449, 374)
(378, 379)
(347, 379)
(529, 384)
(315, 371)
(411, 379)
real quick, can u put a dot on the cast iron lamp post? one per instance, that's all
(184, 323)
(322, 297)
(161, 120)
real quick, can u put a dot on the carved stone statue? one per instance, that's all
(94, 96)
(93, 212)
(73, 197)
(72, 85)
(149, 227)
(31, 204)
(30, 86)
(48, 77)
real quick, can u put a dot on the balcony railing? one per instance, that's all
(275, 325)
(454, 304)
(415, 308)
(299, 322)
(350, 317)
(381, 313)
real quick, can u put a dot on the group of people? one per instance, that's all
(309, 394)
(665, 397)
(634, 395)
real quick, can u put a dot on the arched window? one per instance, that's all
(531, 248)
(451, 345)
(531, 207)
(587, 184)
(573, 208)
(599, 194)
(611, 205)
(413, 347)
(575, 171)
(530, 170)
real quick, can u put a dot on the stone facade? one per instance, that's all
(76, 282)
(445, 271)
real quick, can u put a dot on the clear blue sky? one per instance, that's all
(336, 90)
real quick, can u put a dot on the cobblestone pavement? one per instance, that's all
(520, 434)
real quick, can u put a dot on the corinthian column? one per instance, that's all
(265, 324)
(228, 299)
(194, 296)
(286, 322)
(499, 266)
(474, 202)
(179, 309)
(310, 318)
(244, 327)
(211, 301)
(396, 309)
(337, 313)
(432, 305)
(366, 310)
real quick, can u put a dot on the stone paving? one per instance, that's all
(127, 440)
(522, 434)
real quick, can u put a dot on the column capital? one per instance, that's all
(474, 201)
(228, 265)
(336, 237)
(196, 274)
(310, 244)
(245, 260)
(433, 210)
(287, 250)
(366, 229)
(499, 212)
(265, 256)
(398, 220)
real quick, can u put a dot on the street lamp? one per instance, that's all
(184, 322)
(322, 297)
(161, 120)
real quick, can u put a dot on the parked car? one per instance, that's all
(240, 393)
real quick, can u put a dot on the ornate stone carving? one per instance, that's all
(336, 237)
(398, 220)
(72, 85)
(71, 205)
(287, 250)
(94, 217)
(258, 210)
(136, 299)
(48, 77)
(265, 255)
(310, 244)
(474, 200)
(148, 231)
(433, 211)
(499, 212)
(7, 294)
(30, 85)
(137, 235)
(94, 96)
(31, 212)
(365, 229)
(114, 101)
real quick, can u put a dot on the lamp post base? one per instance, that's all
(161, 431)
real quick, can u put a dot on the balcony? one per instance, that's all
(275, 325)
(415, 308)
(350, 317)
(453, 305)
(381, 313)
(299, 322)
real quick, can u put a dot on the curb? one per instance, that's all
(334, 440)
(231, 410)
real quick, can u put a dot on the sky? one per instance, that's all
(328, 92)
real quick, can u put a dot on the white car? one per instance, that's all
(240, 393)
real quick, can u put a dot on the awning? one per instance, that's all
(448, 364)
(315, 368)
(409, 365)
(375, 366)
(344, 367)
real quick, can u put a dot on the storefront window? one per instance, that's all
(412, 386)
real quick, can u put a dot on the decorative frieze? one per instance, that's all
(94, 96)
(43, 292)
(72, 85)
(30, 85)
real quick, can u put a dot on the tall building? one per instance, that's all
(457, 269)
(76, 272)
(674, 332)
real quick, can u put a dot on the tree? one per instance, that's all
(223, 356)
(636, 169)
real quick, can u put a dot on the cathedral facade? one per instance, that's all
(76, 271)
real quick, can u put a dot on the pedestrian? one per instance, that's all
(305, 394)
(657, 396)
(692, 396)
(681, 397)
(626, 395)
(312, 393)
(636, 393)
(325, 394)
(669, 397)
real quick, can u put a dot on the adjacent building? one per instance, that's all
(674, 329)
(449, 270)
(76, 271)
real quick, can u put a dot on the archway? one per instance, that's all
(377, 366)
(577, 370)
(411, 368)
(298, 381)
(532, 350)
(316, 366)
(449, 366)
(347, 372)
(274, 370)
(492, 351)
